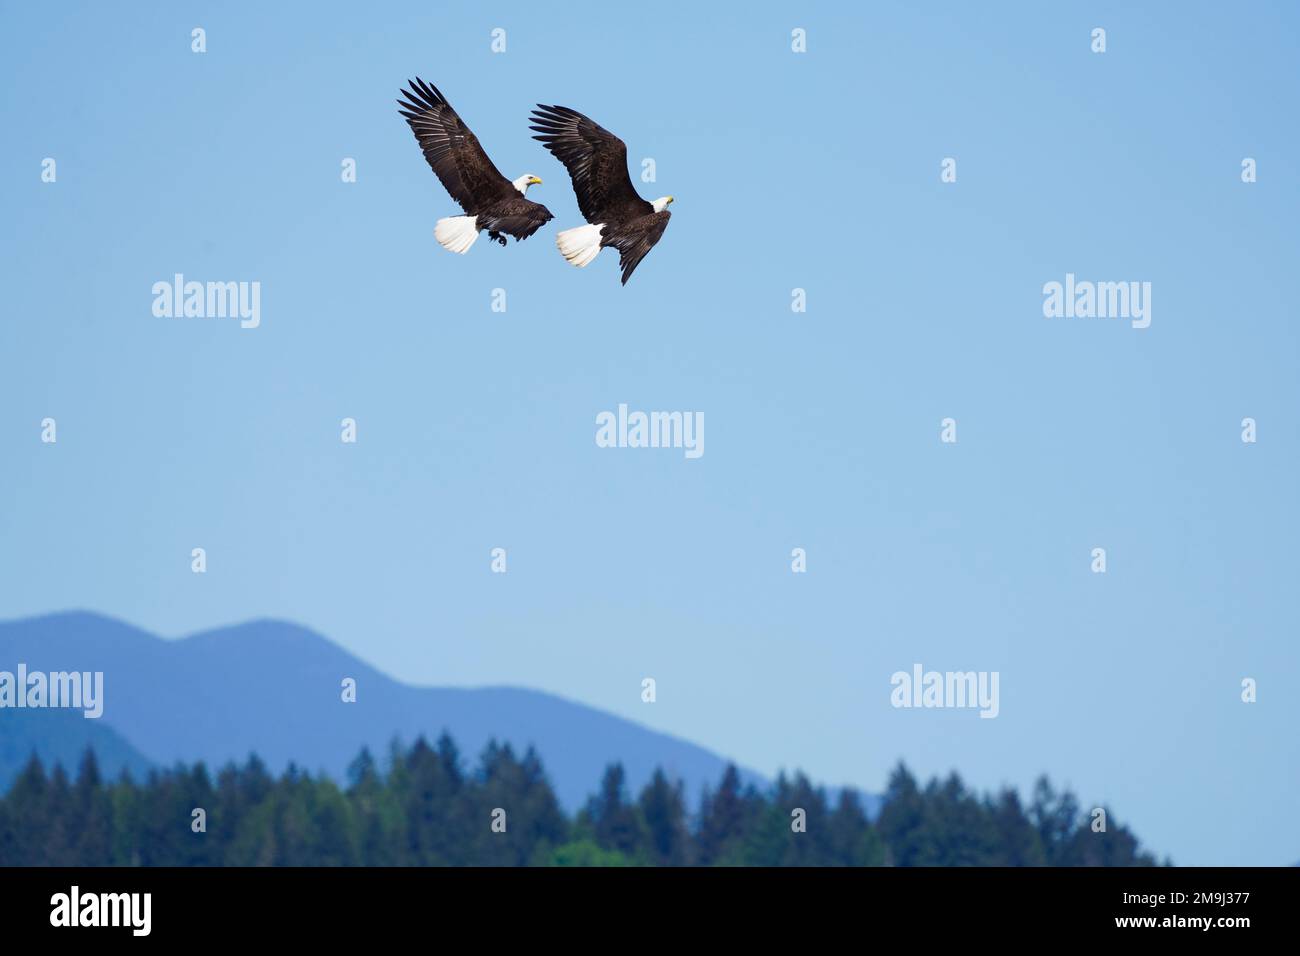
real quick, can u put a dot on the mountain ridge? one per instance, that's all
(273, 687)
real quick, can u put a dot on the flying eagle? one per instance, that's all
(597, 163)
(490, 201)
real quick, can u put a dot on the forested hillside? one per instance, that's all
(423, 808)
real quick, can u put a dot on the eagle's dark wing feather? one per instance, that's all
(597, 163)
(637, 238)
(452, 150)
(518, 217)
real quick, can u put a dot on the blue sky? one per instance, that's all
(476, 429)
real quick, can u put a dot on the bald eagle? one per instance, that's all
(490, 201)
(597, 163)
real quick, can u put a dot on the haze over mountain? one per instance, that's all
(274, 689)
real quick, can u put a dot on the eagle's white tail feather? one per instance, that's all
(580, 245)
(456, 233)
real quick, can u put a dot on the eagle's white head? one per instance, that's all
(526, 180)
(662, 203)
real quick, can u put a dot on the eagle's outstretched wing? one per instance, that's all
(597, 163)
(452, 149)
(637, 238)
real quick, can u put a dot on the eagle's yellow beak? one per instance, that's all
(534, 181)
(671, 200)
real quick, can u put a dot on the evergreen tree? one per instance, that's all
(1016, 838)
(514, 793)
(663, 808)
(1055, 816)
(727, 815)
(429, 804)
(28, 818)
(616, 824)
(958, 827)
(92, 811)
(376, 817)
(61, 827)
(903, 822)
(853, 840)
